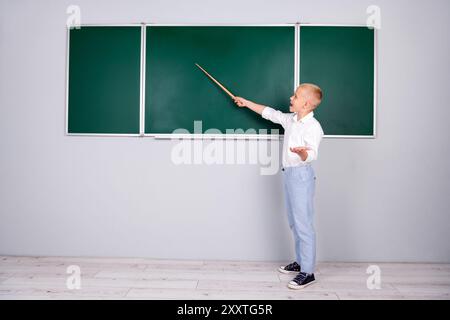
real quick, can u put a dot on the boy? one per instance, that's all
(302, 136)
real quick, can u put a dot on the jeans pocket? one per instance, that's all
(306, 175)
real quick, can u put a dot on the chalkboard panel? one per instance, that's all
(255, 62)
(104, 80)
(341, 61)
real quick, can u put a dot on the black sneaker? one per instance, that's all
(302, 280)
(290, 268)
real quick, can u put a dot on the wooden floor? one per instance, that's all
(130, 278)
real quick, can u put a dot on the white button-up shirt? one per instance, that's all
(304, 133)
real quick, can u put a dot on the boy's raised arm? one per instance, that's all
(268, 113)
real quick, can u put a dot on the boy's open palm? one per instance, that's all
(299, 150)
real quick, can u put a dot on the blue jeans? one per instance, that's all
(299, 189)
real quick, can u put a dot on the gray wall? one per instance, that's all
(383, 199)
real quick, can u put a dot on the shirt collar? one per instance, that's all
(305, 118)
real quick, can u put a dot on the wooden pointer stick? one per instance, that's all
(218, 83)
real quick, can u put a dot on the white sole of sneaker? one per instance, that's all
(281, 270)
(296, 286)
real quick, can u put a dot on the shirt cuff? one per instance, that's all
(266, 112)
(309, 157)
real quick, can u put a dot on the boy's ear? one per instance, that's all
(307, 105)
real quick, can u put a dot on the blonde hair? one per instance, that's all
(315, 90)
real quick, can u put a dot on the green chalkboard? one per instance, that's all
(104, 80)
(341, 61)
(255, 62)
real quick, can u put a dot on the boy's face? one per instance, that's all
(298, 100)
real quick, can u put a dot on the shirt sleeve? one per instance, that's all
(276, 116)
(312, 140)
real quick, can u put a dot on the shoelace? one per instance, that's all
(300, 277)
